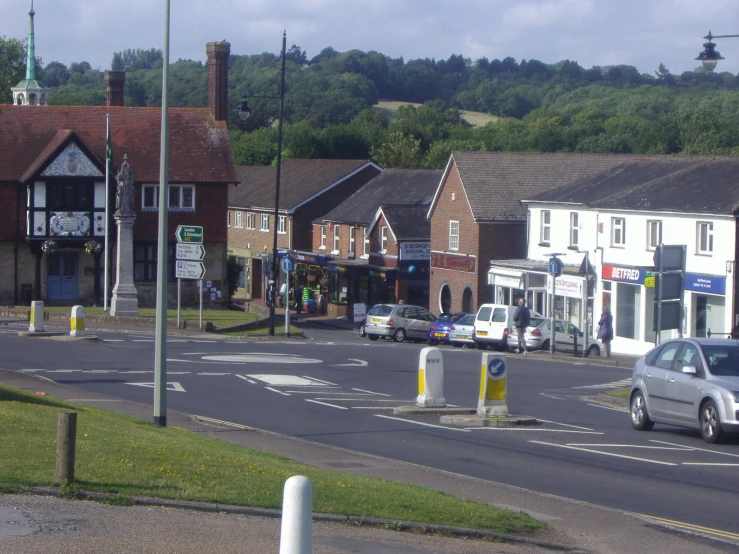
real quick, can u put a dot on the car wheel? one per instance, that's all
(640, 419)
(399, 335)
(711, 423)
(545, 346)
(372, 337)
(361, 330)
(433, 342)
(456, 345)
(594, 350)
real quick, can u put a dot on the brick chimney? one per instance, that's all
(218, 53)
(114, 82)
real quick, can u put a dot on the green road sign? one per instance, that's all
(189, 233)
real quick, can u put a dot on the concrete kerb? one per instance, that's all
(56, 336)
(461, 532)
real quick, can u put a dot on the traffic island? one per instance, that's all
(487, 421)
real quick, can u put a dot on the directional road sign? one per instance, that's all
(189, 233)
(189, 270)
(287, 264)
(194, 252)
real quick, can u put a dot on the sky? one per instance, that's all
(641, 33)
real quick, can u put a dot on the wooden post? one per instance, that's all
(66, 438)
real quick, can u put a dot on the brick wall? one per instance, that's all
(11, 223)
(258, 241)
(377, 256)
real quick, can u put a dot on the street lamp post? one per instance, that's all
(586, 326)
(709, 57)
(244, 111)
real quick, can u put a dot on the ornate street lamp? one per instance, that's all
(244, 111)
(710, 56)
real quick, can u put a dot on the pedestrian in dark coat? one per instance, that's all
(605, 330)
(522, 319)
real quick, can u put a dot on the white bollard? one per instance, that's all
(431, 378)
(296, 535)
(493, 385)
(77, 322)
(37, 317)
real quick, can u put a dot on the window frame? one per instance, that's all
(704, 229)
(264, 223)
(545, 224)
(180, 189)
(365, 244)
(352, 240)
(322, 244)
(251, 220)
(239, 219)
(652, 225)
(453, 235)
(282, 224)
(337, 237)
(618, 225)
(574, 228)
(383, 238)
(149, 262)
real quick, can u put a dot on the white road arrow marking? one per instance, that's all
(171, 385)
(360, 363)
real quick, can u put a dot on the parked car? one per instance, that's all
(689, 383)
(460, 333)
(492, 324)
(539, 333)
(362, 332)
(398, 321)
(439, 331)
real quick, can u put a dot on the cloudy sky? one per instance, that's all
(642, 33)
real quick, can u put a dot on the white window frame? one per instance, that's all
(352, 240)
(574, 228)
(654, 233)
(322, 246)
(228, 218)
(264, 223)
(383, 239)
(239, 220)
(251, 220)
(282, 224)
(704, 238)
(154, 205)
(618, 231)
(546, 227)
(337, 237)
(366, 244)
(453, 235)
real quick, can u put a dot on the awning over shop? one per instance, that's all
(504, 277)
(310, 258)
(361, 268)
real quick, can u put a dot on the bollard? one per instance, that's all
(493, 385)
(37, 317)
(431, 378)
(296, 534)
(66, 439)
(77, 322)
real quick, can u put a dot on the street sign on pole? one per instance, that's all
(189, 233)
(189, 270)
(194, 252)
(287, 264)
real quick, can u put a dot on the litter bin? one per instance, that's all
(26, 295)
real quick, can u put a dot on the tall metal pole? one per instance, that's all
(160, 343)
(554, 304)
(277, 185)
(659, 293)
(106, 265)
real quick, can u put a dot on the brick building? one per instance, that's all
(308, 189)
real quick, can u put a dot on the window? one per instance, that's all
(383, 240)
(181, 197)
(228, 218)
(618, 231)
(145, 262)
(546, 226)
(667, 355)
(366, 245)
(654, 234)
(264, 223)
(251, 220)
(574, 228)
(282, 224)
(70, 198)
(705, 237)
(454, 235)
(323, 236)
(336, 237)
(351, 240)
(239, 220)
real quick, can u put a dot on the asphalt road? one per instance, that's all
(340, 390)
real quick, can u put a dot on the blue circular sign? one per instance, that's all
(496, 369)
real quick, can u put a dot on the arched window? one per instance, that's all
(19, 100)
(467, 300)
(445, 298)
(31, 99)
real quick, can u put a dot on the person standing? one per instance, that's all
(605, 330)
(522, 319)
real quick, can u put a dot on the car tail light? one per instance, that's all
(505, 333)
(451, 328)
(536, 333)
(389, 322)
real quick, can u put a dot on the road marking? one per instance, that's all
(631, 446)
(319, 380)
(171, 385)
(285, 380)
(136, 371)
(550, 396)
(142, 340)
(421, 423)
(373, 407)
(360, 363)
(326, 404)
(230, 424)
(696, 448)
(60, 370)
(313, 391)
(277, 391)
(565, 424)
(709, 464)
(691, 527)
(614, 385)
(113, 340)
(262, 358)
(178, 373)
(604, 453)
(206, 341)
(374, 400)
(220, 374)
(536, 429)
(370, 392)
(245, 379)
(622, 410)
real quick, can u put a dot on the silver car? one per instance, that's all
(690, 383)
(460, 333)
(539, 334)
(398, 321)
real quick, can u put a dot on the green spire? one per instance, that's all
(31, 61)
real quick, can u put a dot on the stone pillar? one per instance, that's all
(125, 298)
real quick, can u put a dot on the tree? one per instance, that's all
(12, 66)
(56, 74)
(399, 151)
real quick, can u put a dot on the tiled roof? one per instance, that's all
(392, 186)
(496, 182)
(199, 146)
(408, 222)
(299, 181)
(679, 184)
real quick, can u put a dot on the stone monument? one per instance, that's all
(125, 299)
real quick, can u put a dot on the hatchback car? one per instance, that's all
(539, 334)
(398, 321)
(460, 333)
(689, 383)
(439, 331)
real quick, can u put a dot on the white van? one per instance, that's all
(492, 324)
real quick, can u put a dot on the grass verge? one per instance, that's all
(124, 456)
(619, 393)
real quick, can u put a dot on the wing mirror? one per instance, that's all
(690, 370)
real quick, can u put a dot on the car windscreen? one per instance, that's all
(466, 320)
(448, 317)
(382, 311)
(722, 359)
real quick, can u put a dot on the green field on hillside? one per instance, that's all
(388, 108)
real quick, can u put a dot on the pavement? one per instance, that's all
(41, 522)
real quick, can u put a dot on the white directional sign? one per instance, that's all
(189, 270)
(194, 252)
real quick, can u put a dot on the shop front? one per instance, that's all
(356, 282)
(308, 283)
(705, 302)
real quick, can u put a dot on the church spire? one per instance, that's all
(31, 60)
(30, 92)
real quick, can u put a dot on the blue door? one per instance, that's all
(61, 277)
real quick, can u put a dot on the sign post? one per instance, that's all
(287, 267)
(556, 267)
(190, 251)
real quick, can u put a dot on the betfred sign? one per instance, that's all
(625, 274)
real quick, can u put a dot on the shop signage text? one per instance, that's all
(705, 283)
(627, 274)
(566, 286)
(415, 250)
(454, 262)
